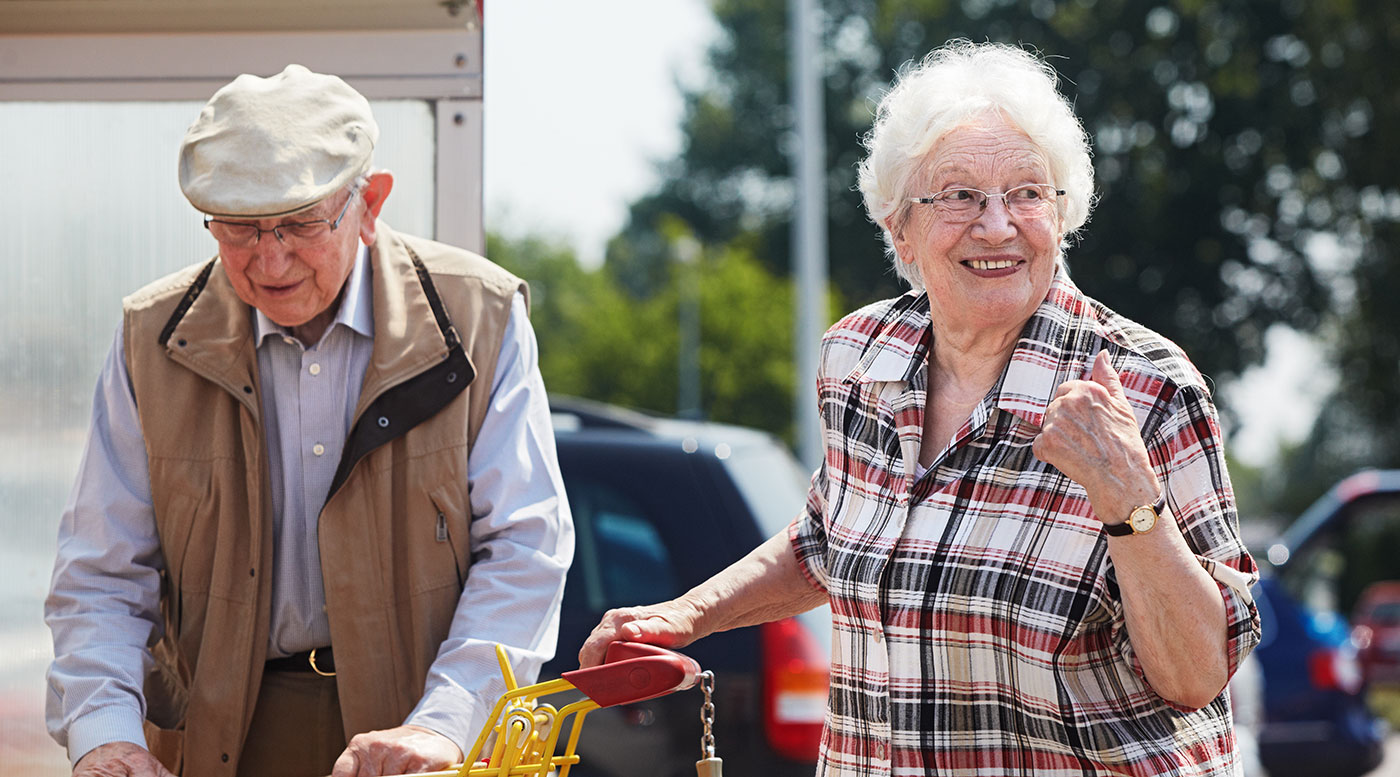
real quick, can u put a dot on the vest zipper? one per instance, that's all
(444, 534)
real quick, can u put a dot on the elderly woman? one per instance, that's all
(1023, 522)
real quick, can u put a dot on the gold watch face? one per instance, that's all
(1142, 519)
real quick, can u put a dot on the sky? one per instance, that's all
(582, 100)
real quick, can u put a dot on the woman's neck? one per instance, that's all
(965, 362)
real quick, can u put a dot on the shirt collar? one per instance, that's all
(1057, 344)
(899, 348)
(1053, 348)
(356, 305)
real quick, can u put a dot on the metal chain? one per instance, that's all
(707, 714)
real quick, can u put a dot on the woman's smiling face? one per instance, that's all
(992, 271)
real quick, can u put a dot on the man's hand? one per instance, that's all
(119, 759)
(401, 750)
(668, 624)
(1091, 435)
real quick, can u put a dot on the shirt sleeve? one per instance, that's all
(522, 543)
(1187, 453)
(104, 599)
(807, 532)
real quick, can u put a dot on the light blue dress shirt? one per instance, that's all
(103, 606)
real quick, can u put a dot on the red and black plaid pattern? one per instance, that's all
(978, 627)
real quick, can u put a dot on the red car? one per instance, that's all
(1376, 631)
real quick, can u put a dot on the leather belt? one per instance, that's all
(318, 660)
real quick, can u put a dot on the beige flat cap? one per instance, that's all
(267, 147)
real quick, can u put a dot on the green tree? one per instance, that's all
(1351, 192)
(1211, 122)
(598, 341)
(594, 340)
(1341, 194)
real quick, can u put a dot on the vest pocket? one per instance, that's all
(167, 745)
(174, 521)
(450, 527)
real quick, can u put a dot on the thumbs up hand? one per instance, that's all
(1090, 434)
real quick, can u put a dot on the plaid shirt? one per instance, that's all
(977, 623)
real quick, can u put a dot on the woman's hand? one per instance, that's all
(1090, 434)
(1173, 610)
(763, 586)
(668, 624)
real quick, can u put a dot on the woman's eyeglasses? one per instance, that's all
(964, 204)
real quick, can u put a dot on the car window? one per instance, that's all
(1355, 550)
(621, 555)
(772, 483)
(775, 485)
(1370, 536)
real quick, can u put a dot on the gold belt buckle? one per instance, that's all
(312, 660)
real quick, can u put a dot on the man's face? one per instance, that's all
(297, 286)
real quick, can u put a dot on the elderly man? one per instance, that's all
(320, 483)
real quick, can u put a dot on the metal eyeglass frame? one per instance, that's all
(941, 198)
(277, 230)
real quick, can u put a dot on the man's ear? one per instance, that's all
(375, 192)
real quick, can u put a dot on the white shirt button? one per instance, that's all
(318, 449)
(288, 340)
(314, 369)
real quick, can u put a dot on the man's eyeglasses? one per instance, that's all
(242, 234)
(963, 204)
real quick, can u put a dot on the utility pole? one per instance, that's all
(809, 238)
(687, 251)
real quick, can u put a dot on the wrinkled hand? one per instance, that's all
(1089, 433)
(401, 750)
(668, 624)
(119, 759)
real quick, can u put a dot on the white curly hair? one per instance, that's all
(955, 85)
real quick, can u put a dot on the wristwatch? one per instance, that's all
(1141, 519)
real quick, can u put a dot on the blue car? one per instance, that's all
(1316, 720)
(1315, 717)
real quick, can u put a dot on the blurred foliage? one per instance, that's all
(1384, 700)
(1340, 443)
(1250, 497)
(598, 341)
(1243, 178)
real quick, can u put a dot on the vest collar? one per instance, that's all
(412, 331)
(211, 333)
(212, 330)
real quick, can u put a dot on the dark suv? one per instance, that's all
(660, 505)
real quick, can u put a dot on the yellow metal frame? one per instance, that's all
(527, 732)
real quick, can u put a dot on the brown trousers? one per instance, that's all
(296, 729)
